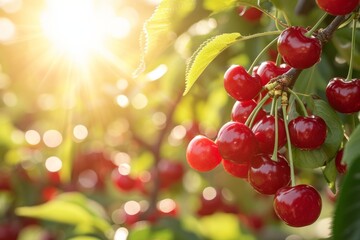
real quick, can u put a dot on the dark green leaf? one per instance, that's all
(205, 54)
(351, 149)
(347, 212)
(318, 157)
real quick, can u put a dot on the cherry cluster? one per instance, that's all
(245, 145)
(256, 145)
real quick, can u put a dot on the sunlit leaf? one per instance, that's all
(63, 210)
(165, 229)
(223, 226)
(318, 157)
(205, 54)
(351, 149)
(347, 213)
(218, 6)
(157, 33)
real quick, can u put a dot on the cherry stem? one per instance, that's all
(260, 54)
(249, 122)
(315, 27)
(272, 110)
(349, 76)
(287, 19)
(291, 161)
(276, 143)
(278, 59)
(302, 106)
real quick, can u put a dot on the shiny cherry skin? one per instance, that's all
(250, 14)
(344, 96)
(307, 133)
(268, 70)
(341, 167)
(236, 142)
(242, 109)
(298, 206)
(338, 7)
(264, 131)
(298, 50)
(267, 176)
(202, 154)
(239, 170)
(240, 85)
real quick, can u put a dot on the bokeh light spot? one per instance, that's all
(140, 101)
(158, 118)
(88, 178)
(32, 137)
(80, 132)
(121, 234)
(209, 193)
(8, 30)
(53, 164)
(122, 84)
(122, 100)
(124, 169)
(52, 138)
(132, 207)
(166, 205)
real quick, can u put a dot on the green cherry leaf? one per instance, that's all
(318, 157)
(205, 54)
(346, 224)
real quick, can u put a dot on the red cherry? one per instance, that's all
(240, 85)
(340, 166)
(298, 206)
(239, 170)
(236, 142)
(5, 181)
(272, 53)
(49, 193)
(9, 230)
(230, 208)
(123, 182)
(307, 132)
(267, 176)
(211, 200)
(250, 14)
(298, 50)
(170, 172)
(242, 109)
(344, 96)
(338, 7)
(264, 131)
(202, 154)
(253, 222)
(268, 70)
(97, 161)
